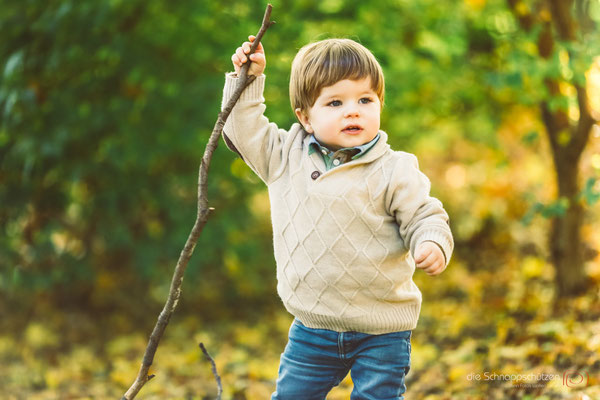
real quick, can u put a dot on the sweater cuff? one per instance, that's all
(254, 91)
(439, 238)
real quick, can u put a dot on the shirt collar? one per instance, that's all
(315, 146)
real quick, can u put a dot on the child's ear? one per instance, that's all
(303, 118)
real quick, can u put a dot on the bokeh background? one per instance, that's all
(105, 108)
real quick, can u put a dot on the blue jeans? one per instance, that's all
(316, 360)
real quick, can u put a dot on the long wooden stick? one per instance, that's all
(202, 216)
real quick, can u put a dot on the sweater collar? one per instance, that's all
(354, 152)
(376, 151)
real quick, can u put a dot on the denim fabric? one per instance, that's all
(316, 360)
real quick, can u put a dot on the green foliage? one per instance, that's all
(107, 106)
(531, 138)
(554, 209)
(590, 192)
(589, 195)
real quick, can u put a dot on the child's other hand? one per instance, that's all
(429, 258)
(258, 58)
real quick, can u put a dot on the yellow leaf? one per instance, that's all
(533, 267)
(39, 336)
(476, 4)
(459, 372)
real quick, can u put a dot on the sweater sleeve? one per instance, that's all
(420, 217)
(249, 133)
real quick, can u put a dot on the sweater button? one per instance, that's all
(315, 175)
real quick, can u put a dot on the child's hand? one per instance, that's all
(258, 58)
(430, 258)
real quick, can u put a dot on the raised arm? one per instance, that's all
(260, 143)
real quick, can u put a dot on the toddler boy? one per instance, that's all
(351, 221)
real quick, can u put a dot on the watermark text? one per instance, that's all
(571, 378)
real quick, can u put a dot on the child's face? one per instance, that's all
(346, 114)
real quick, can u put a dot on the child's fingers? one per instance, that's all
(244, 49)
(427, 261)
(421, 254)
(435, 269)
(432, 265)
(246, 46)
(432, 271)
(427, 265)
(258, 58)
(259, 48)
(241, 55)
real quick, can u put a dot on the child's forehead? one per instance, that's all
(358, 86)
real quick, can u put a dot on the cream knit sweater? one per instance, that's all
(344, 239)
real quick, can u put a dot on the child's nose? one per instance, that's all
(351, 110)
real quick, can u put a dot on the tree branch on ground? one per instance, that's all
(214, 370)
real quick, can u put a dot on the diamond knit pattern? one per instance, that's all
(333, 259)
(342, 238)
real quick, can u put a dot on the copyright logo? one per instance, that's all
(575, 379)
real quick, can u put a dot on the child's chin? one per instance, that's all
(354, 141)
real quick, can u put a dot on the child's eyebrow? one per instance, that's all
(332, 96)
(369, 92)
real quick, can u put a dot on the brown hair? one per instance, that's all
(323, 63)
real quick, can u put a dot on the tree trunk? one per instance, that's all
(567, 140)
(566, 250)
(566, 246)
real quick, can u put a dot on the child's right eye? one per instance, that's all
(334, 103)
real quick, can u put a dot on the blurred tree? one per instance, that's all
(106, 106)
(565, 36)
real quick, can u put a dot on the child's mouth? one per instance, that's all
(352, 129)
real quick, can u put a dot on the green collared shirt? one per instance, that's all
(335, 158)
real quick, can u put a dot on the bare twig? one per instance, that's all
(214, 370)
(201, 218)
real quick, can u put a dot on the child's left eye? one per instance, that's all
(365, 100)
